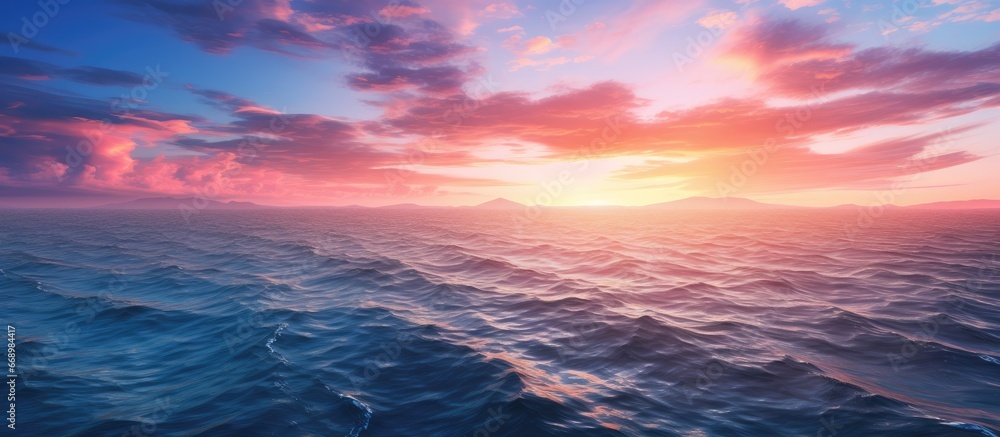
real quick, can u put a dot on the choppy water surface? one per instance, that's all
(466, 323)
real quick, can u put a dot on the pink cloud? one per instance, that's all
(536, 46)
(566, 122)
(766, 43)
(403, 11)
(546, 63)
(501, 10)
(718, 19)
(994, 15)
(796, 4)
(887, 67)
(871, 166)
(832, 15)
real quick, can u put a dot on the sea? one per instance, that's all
(462, 322)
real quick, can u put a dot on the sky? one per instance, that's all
(448, 102)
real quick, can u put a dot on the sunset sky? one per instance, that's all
(448, 102)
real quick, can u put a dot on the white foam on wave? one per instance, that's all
(274, 337)
(366, 412)
(972, 427)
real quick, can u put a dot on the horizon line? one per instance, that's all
(510, 204)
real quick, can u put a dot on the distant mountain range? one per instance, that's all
(960, 204)
(179, 202)
(501, 204)
(739, 203)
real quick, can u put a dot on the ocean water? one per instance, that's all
(471, 323)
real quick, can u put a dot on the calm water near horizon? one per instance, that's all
(471, 323)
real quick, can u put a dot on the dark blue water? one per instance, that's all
(463, 323)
